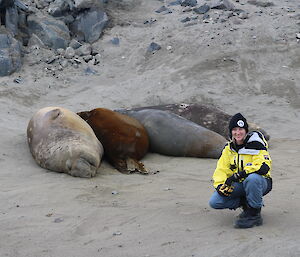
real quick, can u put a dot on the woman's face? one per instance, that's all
(238, 134)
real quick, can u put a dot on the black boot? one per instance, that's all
(251, 218)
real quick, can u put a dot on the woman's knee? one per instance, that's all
(254, 178)
(216, 202)
(213, 204)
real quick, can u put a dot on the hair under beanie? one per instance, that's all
(237, 120)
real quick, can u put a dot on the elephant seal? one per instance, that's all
(61, 141)
(124, 139)
(206, 116)
(173, 135)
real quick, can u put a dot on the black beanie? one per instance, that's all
(237, 120)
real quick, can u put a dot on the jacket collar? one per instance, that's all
(254, 141)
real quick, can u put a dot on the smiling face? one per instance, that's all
(238, 134)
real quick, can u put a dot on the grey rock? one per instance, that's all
(58, 220)
(177, 2)
(69, 53)
(60, 51)
(162, 9)
(53, 33)
(86, 4)
(202, 9)
(88, 25)
(41, 4)
(243, 15)
(36, 41)
(290, 9)
(51, 59)
(97, 58)
(10, 55)
(18, 80)
(64, 63)
(66, 19)
(75, 44)
(153, 47)
(186, 19)
(151, 21)
(85, 49)
(191, 3)
(87, 58)
(59, 7)
(115, 41)
(11, 20)
(187, 9)
(89, 71)
(190, 24)
(261, 3)
(222, 4)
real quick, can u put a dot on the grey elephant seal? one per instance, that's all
(170, 134)
(204, 115)
(59, 140)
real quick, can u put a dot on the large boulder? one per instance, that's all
(59, 7)
(88, 25)
(53, 33)
(11, 20)
(10, 54)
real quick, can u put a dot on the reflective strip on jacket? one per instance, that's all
(253, 157)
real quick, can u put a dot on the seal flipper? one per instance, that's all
(129, 166)
(134, 166)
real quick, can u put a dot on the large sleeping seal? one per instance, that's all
(173, 135)
(207, 116)
(124, 139)
(61, 141)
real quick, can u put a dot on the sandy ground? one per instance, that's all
(251, 66)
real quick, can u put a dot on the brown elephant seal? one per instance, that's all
(173, 135)
(61, 141)
(206, 116)
(124, 139)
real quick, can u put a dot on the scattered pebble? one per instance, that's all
(69, 53)
(115, 41)
(177, 2)
(18, 80)
(191, 3)
(243, 15)
(153, 47)
(185, 19)
(202, 9)
(151, 21)
(89, 71)
(58, 220)
(162, 9)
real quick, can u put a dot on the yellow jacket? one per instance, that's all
(252, 157)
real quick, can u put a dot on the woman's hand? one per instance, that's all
(224, 189)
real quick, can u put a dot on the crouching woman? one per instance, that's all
(242, 176)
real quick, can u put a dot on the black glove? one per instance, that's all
(224, 189)
(236, 177)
